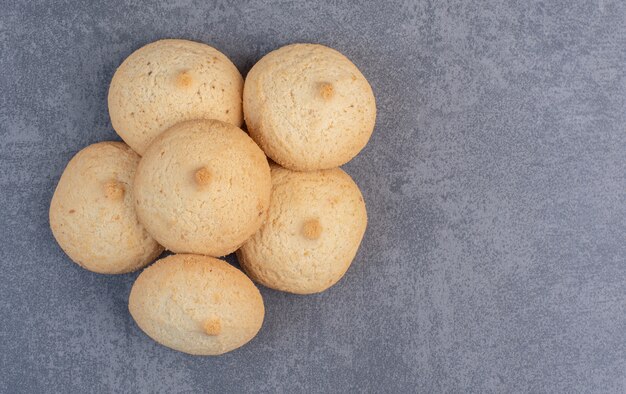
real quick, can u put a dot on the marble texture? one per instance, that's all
(495, 257)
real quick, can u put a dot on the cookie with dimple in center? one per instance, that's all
(92, 214)
(309, 107)
(202, 187)
(169, 81)
(315, 224)
(196, 304)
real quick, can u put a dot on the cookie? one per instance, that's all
(315, 225)
(202, 187)
(92, 214)
(169, 81)
(196, 304)
(308, 107)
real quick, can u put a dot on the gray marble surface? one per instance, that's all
(495, 257)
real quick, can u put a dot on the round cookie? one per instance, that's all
(315, 224)
(169, 81)
(308, 107)
(92, 214)
(202, 187)
(196, 304)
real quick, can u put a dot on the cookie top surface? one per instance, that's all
(92, 215)
(169, 81)
(315, 224)
(202, 187)
(308, 107)
(196, 304)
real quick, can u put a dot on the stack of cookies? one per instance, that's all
(189, 180)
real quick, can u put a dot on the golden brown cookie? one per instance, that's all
(196, 304)
(308, 107)
(202, 187)
(315, 224)
(169, 81)
(92, 214)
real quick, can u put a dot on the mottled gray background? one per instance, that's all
(495, 258)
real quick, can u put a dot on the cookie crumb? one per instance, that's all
(212, 327)
(113, 190)
(312, 229)
(203, 176)
(183, 80)
(327, 91)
